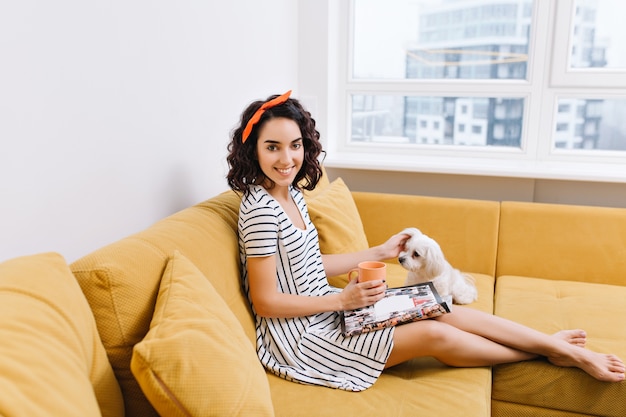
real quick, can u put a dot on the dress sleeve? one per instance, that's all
(258, 228)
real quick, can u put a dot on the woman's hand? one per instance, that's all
(341, 263)
(393, 246)
(362, 294)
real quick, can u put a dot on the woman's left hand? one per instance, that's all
(362, 294)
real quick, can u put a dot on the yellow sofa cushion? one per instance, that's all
(338, 223)
(196, 359)
(337, 220)
(52, 362)
(550, 306)
(574, 243)
(420, 387)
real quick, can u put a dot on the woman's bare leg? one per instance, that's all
(505, 331)
(558, 351)
(442, 342)
(497, 340)
(450, 346)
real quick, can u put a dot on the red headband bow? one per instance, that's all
(257, 115)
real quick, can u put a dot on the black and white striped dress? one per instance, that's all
(309, 349)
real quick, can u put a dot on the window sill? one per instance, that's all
(480, 166)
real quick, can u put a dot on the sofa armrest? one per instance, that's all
(466, 230)
(52, 361)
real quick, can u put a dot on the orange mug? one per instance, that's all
(369, 271)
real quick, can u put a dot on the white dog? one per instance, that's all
(423, 258)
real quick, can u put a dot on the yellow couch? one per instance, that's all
(158, 321)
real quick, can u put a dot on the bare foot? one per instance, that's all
(575, 337)
(601, 366)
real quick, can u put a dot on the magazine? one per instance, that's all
(400, 305)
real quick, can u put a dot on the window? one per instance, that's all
(598, 124)
(488, 87)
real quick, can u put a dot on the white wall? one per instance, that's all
(114, 114)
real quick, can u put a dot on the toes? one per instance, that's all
(616, 364)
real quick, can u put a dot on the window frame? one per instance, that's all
(564, 76)
(541, 91)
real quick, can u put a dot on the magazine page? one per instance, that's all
(400, 305)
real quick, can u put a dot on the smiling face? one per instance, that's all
(280, 152)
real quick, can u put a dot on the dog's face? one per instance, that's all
(421, 253)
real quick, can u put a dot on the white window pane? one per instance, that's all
(463, 121)
(434, 39)
(597, 34)
(590, 124)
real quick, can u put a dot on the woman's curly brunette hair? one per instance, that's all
(244, 169)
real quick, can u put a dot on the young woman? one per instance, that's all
(273, 154)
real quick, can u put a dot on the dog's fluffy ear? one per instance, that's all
(435, 261)
(411, 231)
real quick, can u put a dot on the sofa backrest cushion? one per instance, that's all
(466, 230)
(562, 242)
(121, 281)
(52, 362)
(336, 218)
